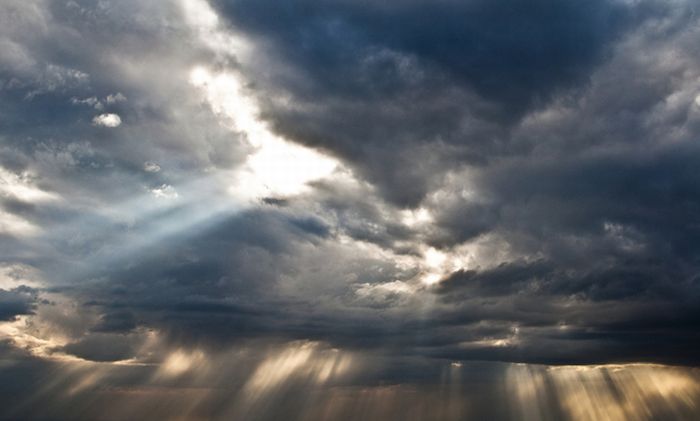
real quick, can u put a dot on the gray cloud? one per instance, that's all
(514, 182)
(17, 301)
(371, 82)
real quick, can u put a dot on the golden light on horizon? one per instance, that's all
(615, 392)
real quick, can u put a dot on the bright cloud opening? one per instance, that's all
(277, 167)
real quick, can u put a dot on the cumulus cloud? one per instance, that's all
(107, 120)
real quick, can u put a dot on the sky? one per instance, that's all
(347, 209)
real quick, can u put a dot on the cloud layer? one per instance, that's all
(415, 184)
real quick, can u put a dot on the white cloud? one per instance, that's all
(107, 120)
(277, 167)
(20, 186)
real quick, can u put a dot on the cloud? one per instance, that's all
(149, 166)
(17, 301)
(114, 98)
(165, 191)
(107, 120)
(373, 91)
(404, 186)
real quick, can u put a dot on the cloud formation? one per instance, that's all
(107, 120)
(370, 194)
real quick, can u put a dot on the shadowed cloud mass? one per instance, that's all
(236, 209)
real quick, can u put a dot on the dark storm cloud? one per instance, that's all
(619, 202)
(226, 284)
(559, 136)
(536, 159)
(509, 51)
(372, 81)
(578, 135)
(17, 301)
(619, 308)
